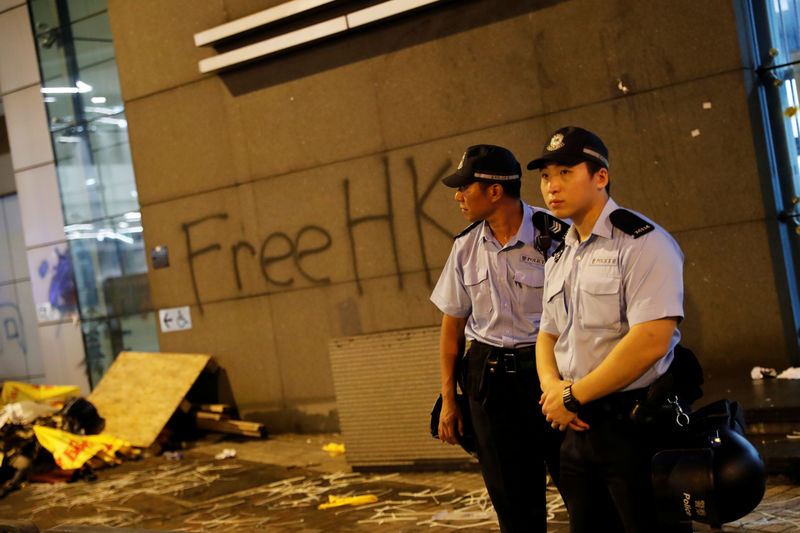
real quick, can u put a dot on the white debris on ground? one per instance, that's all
(260, 507)
(790, 373)
(227, 453)
(23, 412)
(760, 372)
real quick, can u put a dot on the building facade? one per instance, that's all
(297, 195)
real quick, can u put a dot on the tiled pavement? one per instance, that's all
(276, 485)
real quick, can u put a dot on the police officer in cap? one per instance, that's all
(490, 292)
(613, 297)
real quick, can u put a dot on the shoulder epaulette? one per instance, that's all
(558, 252)
(547, 223)
(468, 229)
(630, 223)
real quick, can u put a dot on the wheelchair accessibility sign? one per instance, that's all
(175, 319)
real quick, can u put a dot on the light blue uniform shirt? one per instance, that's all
(601, 287)
(498, 287)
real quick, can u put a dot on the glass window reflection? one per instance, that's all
(104, 339)
(89, 133)
(95, 171)
(110, 266)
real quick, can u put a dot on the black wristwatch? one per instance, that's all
(570, 402)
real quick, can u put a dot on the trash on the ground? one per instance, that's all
(58, 445)
(793, 435)
(81, 417)
(460, 516)
(793, 372)
(151, 397)
(464, 512)
(54, 395)
(336, 501)
(706, 105)
(24, 412)
(57, 475)
(334, 448)
(227, 453)
(71, 451)
(760, 372)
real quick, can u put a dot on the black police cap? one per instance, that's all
(485, 162)
(570, 146)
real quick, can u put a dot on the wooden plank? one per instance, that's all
(238, 427)
(245, 426)
(142, 390)
(185, 406)
(211, 416)
(216, 407)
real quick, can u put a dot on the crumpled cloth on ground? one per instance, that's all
(23, 412)
(792, 372)
(760, 372)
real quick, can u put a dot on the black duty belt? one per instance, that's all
(507, 360)
(617, 405)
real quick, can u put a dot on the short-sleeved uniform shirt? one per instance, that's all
(599, 288)
(497, 288)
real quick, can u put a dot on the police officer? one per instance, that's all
(613, 297)
(490, 292)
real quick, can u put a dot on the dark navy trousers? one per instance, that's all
(606, 470)
(514, 440)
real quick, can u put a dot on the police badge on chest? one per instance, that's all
(532, 260)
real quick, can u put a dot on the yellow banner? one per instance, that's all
(14, 391)
(71, 451)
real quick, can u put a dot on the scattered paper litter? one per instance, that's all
(334, 448)
(227, 453)
(695, 132)
(457, 516)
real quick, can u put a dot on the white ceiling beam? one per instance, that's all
(256, 20)
(305, 35)
(384, 10)
(275, 44)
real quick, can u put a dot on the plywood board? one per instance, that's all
(142, 390)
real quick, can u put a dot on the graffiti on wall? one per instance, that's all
(57, 279)
(311, 240)
(11, 327)
(62, 285)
